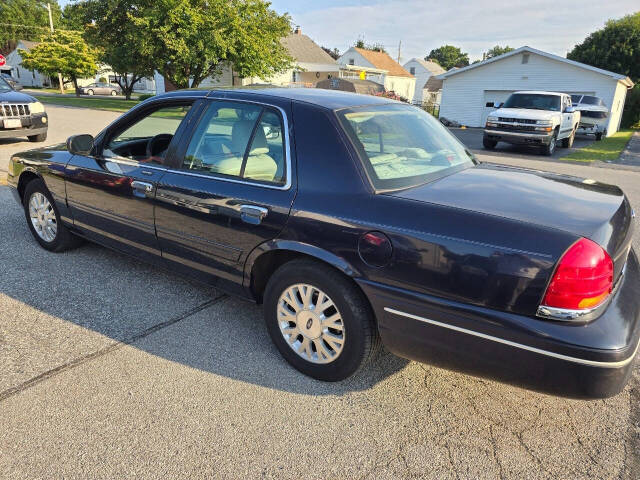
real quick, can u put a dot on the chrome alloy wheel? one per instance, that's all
(311, 323)
(43, 218)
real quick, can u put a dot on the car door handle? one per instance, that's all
(141, 189)
(253, 214)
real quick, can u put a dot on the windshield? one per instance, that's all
(402, 146)
(4, 86)
(534, 101)
(588, 100)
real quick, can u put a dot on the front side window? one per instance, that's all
(402, 146)
(148, 139)
(4, 86)
(534, 101)
(239, 140)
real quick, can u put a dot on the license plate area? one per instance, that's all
(12, 123)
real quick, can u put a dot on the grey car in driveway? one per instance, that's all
(101, 88)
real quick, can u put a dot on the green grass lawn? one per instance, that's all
(607, 149)
(114, 105)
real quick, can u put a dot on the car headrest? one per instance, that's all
(240, 133)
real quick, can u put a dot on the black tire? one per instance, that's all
(488, 143)
(113, 93)
(361, 340)
(598, 136)
(38, 138)
(568, 142)
(89, 92)
(64, 239)
(549, 149)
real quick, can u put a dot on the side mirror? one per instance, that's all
(499, 105)
(569, 109)
(80, 144)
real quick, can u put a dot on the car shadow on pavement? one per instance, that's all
(45, 297)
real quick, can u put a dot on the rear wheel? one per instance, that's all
(568, 142)
(319, 320)
(38, 138)
(43, 219)
(488, 143)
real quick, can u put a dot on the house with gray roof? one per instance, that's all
(423, 70)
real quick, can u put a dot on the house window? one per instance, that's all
(412, 70)
(525, 58)
(351, 61)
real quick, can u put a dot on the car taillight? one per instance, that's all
(583, 279)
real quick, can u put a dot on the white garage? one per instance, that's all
(470, 93)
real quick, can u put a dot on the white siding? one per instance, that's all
(463, 94)
(615, 108)
(27, 78)
(422, 75)
(353, 54)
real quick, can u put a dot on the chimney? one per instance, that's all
(298, 30)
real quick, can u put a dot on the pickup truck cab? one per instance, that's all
(533, 118)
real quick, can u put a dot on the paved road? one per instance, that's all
(63, 122)
(472, 138)
(114, 369)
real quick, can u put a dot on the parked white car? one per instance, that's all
(594, 115)
(533, 118)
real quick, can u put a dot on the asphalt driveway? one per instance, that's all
(115, 369)
(472, 138)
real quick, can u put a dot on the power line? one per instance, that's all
(36, 27)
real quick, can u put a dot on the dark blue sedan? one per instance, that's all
(356, 221)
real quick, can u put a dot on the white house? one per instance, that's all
(27, 78)
(423, 70)
(311, 65)
(378, 67)
(470, 93)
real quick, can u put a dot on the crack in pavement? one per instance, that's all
(109, 348)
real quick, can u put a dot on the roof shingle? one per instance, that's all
(383, 61)
(305, 50)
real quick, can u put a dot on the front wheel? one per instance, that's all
(568, 142)
(38, 138)
(319, 320)
(43, 219)
(89, 92)
(488, 143)
(113, 93)
(551, 147)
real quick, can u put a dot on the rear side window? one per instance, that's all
(239, 140)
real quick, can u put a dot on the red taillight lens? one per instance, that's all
(583, 279)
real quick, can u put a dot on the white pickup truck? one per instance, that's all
(533, 118)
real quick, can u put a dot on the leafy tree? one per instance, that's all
(335, 53)
(376, 47)
(110, 29)
(448, 56)
(65, 52)
(194, 39)
(616, 47)
(498, 50)
(27, 19)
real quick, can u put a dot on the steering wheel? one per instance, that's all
(157, 146)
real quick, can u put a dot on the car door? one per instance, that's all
(111, 192)
(230, 189)
(566, 125)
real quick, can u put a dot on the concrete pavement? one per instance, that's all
(114, 369)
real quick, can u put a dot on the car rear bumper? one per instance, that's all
(518, 138)
(588, 360)
(33, 125)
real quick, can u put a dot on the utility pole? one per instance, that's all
(399, 45)
(51, 26)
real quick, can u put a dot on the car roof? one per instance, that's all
(330, 99)
(541, 92)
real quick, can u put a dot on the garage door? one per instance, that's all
(492, 98)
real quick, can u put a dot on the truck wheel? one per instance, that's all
(551, 147)
(488, 143)
(568, 142)
(319, 320)
(38, 138)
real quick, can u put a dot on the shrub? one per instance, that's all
(145, 96)
(102, 80)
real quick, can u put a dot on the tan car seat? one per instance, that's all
(260, 166)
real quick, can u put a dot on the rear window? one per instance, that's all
(402, 146)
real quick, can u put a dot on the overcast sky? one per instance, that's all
(555, 26)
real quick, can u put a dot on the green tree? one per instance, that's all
(498, 50)
(376, 47)
(616, 47)
(25, 20)
(448, 56)
(194, 39)
(109, 28)
(65, 52)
